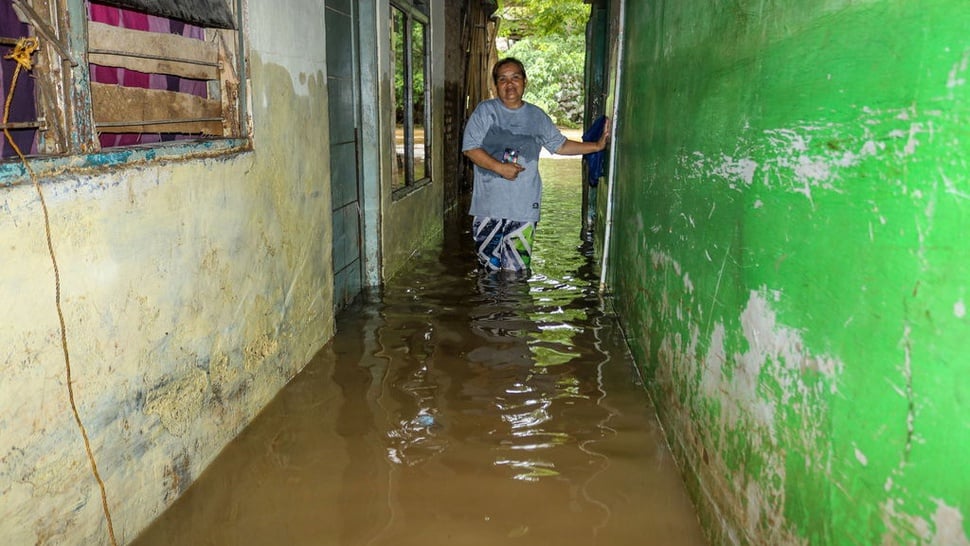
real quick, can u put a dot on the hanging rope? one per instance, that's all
(21, 54)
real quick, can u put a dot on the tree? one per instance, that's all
(548, 36)
(543, 18)
(555, 70)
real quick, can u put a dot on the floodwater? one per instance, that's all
(456, 409)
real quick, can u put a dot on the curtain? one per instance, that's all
(22, 108)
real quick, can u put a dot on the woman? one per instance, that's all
(503, 138)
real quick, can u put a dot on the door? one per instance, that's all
(344, 93)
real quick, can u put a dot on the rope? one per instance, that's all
(21, 54)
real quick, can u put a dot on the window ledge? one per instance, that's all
(401, 193)
(13, 171)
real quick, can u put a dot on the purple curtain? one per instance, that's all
(22, 108)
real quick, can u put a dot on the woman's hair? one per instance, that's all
(503, 62)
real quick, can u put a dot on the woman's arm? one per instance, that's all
(574, 147)
(482, 158)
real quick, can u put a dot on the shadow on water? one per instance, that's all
(456, 408)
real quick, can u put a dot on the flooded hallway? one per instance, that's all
(456, 408)
(241, 307)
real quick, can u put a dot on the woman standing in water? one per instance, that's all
(503, 138)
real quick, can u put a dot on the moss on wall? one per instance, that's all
(792, 187)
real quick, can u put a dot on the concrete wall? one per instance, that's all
(192, 290)
(415, 219)
(790, 264)
(455, 97)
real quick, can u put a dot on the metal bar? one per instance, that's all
(24, 125)
(150, 122)
(42, 28)
(152, 57)
(241, 68)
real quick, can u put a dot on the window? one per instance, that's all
(409, 41)
(147, 72)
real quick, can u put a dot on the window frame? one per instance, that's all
(68, 139)
(412, 14)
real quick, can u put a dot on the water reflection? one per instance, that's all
(456, 408)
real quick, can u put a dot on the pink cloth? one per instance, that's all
(125, 18)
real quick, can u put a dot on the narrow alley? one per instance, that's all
(456, 409)
(241, 305)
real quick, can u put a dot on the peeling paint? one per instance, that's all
(948, 526)
(956, 76)
(795, 159)
(178, 403)
(734, 384)
(809, 377)
(944, 529)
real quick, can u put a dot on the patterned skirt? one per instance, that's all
(503, 244)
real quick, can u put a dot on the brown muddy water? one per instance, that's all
(456, 409)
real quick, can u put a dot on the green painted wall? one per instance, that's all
(790, 261)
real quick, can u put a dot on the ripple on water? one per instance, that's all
(456, 408)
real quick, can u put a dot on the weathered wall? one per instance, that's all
(415, 219)
(192, 292)
(457, 32)
(789, 260)
(469, 55)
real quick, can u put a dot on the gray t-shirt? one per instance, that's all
(497, 129)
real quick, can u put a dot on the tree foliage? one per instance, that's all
(543, 18)
(555, 70)
(548, 36)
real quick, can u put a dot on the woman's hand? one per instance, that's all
(605, 137)
(480, 157)
(509, 171)
(575, 147)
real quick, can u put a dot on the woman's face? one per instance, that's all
(510, 85)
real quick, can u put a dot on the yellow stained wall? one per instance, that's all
(192, 291)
